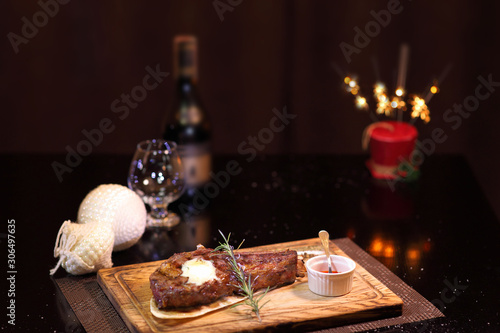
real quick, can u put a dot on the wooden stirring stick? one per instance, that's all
(324, 237)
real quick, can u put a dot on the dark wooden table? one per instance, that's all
(438, 234)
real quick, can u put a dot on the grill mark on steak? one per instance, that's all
(267, 269)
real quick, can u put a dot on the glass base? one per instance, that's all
(171, 220)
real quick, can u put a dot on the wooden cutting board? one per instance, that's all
(293, 307)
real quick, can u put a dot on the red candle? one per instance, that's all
(391, 142)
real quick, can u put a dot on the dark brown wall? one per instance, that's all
(263, 55)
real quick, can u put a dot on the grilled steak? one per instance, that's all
(268, 269)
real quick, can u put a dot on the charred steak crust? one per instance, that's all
(171, 290)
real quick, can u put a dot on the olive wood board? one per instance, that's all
(293, 307)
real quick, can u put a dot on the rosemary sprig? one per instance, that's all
(245, 283)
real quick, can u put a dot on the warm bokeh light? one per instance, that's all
(382, 248)
(413, 254)
(361, 103)
(419, 109)
(379, 89)
(380, 94)
(351, 85)
(389, 105)
(398, 103)
(384, 107)
(376, 247)
(389, 251)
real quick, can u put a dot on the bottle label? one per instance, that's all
(197, 162)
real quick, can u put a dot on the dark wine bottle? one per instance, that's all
(188, 124)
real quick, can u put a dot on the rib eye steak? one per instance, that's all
(172, 287)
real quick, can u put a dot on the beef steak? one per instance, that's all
(268, 269)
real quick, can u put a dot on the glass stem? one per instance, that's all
(159, 211)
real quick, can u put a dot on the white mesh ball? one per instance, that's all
(118, 205)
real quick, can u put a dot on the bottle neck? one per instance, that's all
(186, 74)
(185, 58)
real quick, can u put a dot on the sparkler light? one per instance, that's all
(351, 85)
(379, 89)
(390, 105)
(404, 55)
(361, 103)
(420, 109)
(433, 90)
(398, 103)
(380, 94)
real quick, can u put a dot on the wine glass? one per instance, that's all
(157, 175)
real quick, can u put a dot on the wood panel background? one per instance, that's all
(262, 55)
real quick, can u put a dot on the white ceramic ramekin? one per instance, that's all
(330, 284)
